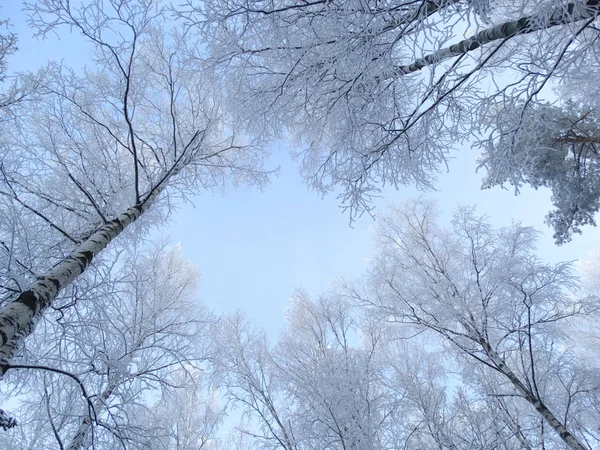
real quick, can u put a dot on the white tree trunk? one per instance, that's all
(534, 400)
(86, 424)
(572, 12)
(18, 315)
(99, 404)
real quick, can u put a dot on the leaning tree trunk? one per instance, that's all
(86, 423)
(532, 398)
(570, 13)
(17, 316)
(81, 436)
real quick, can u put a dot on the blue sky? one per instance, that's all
(253, 248)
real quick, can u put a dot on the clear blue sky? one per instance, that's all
(253, 248)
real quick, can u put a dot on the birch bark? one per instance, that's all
(534, 400)
(572, 13)
(18, 315)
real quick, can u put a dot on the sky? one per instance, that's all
(255, 247)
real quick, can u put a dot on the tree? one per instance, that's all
(189, 416)
(8, 46)
(332, 380)
(552, 146)
(439, 409)
(104, 147)
(243, 368)
(377, 92)
(484, 293)
(137, 334)
(337, 379)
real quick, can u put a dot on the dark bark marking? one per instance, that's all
(85, 259)
(521, 26)
(52, 280)
(3, 337)
(28, 299)
(6, 422)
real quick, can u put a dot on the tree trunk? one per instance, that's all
(572, 12)
(18, 316)
(99, 404)
(86, 424)
(534, 400)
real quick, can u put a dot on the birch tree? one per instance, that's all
(139, 334)
(331, 378)
(243, 368)
(484, 293)
(436, 409)
(337, 378)
(190, 414)
(8, 46)
(124, 138)
(311, 390)
(377, 93)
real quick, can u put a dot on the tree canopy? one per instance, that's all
(379, 93)
(457, 336)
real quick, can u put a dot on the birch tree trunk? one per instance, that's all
(138, 332)
(17, 317)
(86, 424)
(528, 24)
(532, 398)
(79, 439)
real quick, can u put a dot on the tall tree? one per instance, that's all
(137, 333)
(190, 415)
(485, 293)
(120, 140)
(329, 378)
(377, 92)
(244, 369)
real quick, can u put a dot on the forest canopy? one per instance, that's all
(457, 335)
